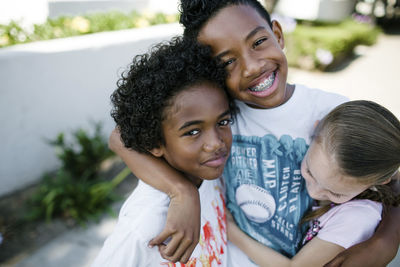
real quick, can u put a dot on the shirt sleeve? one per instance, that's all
(124, 247)
(350, 223)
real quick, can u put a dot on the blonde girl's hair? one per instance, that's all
(364, 139)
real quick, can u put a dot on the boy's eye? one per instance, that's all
(192, 132)
(228, 62)
(258, 42)
(225, 122)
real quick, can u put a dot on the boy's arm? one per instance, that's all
(183, 219)
(382, 247)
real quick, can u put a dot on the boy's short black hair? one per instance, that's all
(196, 13)
(145, 90)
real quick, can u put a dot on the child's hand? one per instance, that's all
(182, 227)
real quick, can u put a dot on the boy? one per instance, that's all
(172, 105)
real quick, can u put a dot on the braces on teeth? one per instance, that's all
(264, 85)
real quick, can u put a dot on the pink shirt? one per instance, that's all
(349, 223)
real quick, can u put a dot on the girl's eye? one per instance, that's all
(192, 132)
(336, 195)
(258, 42)
(225, 122)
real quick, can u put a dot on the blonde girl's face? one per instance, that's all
(323, 179)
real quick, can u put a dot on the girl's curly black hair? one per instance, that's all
(145, 90)
(196, 13)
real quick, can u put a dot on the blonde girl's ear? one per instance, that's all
(395, 176)
(315, 124)
(277, 30)
(157, 152)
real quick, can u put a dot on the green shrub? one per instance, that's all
(76, 190)
(13, 33)
(82, 157)
(308, 44)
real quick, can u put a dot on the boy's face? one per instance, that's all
(252, 53)
(197, 132)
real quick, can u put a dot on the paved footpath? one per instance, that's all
(373, 75)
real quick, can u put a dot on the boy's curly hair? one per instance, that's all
(196, 13)
(146, 89)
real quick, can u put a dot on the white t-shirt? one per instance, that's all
(349, 223)
(265, 191)
(143, 216)
(295, 118)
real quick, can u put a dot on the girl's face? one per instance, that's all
(197, 132)
(323, 179)
(252, 53)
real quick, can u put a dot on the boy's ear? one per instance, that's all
(157, 152)
(277, 30)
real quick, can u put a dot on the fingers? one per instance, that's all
(186, 255)
(178, 249)
(171, 248)
(161, 238)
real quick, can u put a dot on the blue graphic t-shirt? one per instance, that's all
(265, 191)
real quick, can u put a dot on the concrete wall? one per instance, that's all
(30, 12)
(56, 86)
(78, 7)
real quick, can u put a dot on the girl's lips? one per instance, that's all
(216, 161)
(268, 90)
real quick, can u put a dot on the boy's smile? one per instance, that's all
(197, 132)
(252, 53)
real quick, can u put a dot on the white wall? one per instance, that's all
(56, 86)
(36, 11)
(29, 11)
(77, 7)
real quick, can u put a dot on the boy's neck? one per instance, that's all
(195, 180)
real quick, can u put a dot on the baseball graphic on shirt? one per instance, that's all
(257, 203)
